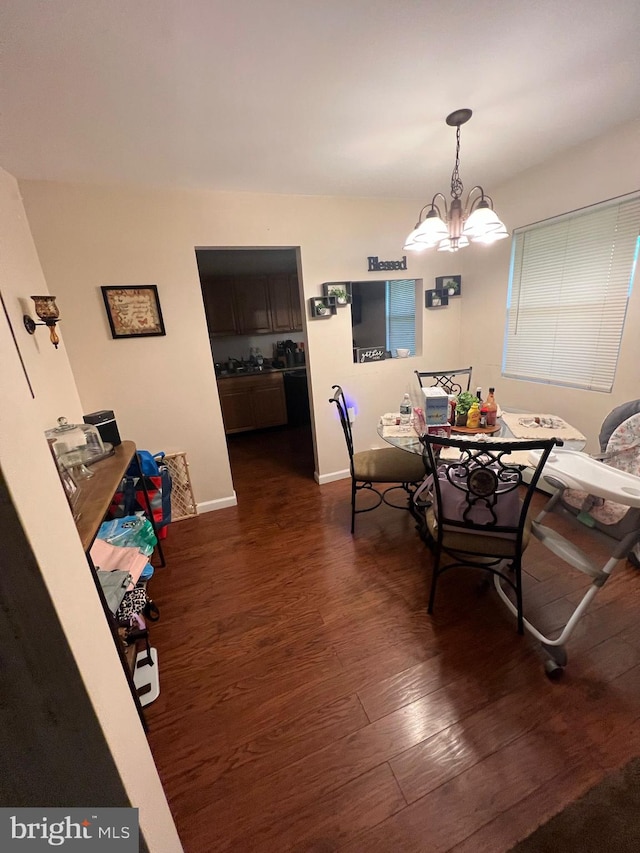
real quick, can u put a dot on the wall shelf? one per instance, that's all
(322, 306)
(340, 289)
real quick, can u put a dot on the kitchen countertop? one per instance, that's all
(223, 374)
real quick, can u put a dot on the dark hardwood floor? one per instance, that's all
(309, 703)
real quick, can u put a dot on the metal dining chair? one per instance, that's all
(476, 506)
(452, 381)
(385, 465)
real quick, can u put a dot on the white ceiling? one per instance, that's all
(336, 97)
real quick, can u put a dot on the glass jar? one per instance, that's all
(76, 445)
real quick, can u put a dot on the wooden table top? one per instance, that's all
(95, 494)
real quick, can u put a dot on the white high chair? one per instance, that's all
(570, 469)
(620, 448)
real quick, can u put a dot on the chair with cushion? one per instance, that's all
(452, 381)
(476, 507)
(372, 467)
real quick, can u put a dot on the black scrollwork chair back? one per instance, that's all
(383, 465)
(452, 381)
(476, 513)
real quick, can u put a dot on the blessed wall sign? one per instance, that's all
(375, 265)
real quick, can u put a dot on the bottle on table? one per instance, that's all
(479, 395)
(491, 407)
(473, 416)
(405, 412)
(452, 409)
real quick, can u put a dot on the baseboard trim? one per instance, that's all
(331, 478)
(221, 503)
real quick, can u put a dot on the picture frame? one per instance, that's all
(435, 299)
(133, 310)
(450, 285)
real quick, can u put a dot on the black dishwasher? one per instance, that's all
(297, 397)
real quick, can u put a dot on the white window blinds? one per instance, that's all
(571, 277)
(401, 315)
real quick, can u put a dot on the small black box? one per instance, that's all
(106, 425)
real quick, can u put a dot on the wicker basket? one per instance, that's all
(183, 504)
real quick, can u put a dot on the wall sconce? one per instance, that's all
(47, 311)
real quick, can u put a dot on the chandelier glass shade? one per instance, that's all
(453, 226)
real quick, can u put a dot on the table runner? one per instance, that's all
(540, 426)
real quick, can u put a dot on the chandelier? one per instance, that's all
(476, 222)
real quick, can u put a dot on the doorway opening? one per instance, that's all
(254, 312)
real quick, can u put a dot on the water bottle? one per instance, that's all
(405, 413)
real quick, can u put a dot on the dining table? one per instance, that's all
(510, 424)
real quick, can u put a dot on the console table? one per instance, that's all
(90, 506)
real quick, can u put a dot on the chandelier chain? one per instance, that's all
(456, 182)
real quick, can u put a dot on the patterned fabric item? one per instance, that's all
(134, 602)
(623, 449)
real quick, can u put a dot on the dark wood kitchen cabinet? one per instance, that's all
(252, 305)
(284, 299)
(219, 306)
(252, 402)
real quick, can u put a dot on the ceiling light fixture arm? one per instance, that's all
(434, 207)
(482, 200)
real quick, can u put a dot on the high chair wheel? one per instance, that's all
(553, 670)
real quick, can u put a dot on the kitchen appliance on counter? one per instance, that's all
(290, 353)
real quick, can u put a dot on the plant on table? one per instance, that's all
(464, 402)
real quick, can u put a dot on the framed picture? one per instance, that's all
(132, 311)
(450, 285)
(435, 299)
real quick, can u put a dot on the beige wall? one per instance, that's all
(163, 389)
(37, 494)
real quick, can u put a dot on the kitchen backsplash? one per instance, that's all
(239, 346)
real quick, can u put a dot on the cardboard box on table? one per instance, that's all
(436, 406)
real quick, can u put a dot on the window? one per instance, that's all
(384, 314)
(401, 315)
(570, 281)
